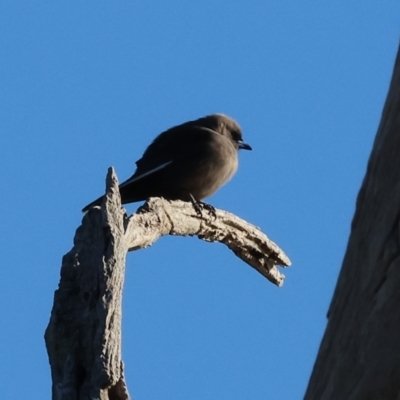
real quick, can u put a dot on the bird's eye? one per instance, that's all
(236, 136)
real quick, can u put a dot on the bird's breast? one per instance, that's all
(215, 170)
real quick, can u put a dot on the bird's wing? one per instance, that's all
(181, 142)
(136, 177)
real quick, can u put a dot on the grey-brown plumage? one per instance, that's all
(189, 161)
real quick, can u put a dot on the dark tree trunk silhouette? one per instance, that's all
(359, 357)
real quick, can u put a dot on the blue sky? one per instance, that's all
(86, 85)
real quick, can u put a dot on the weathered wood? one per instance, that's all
(359, 357)
(83, 337)
(160, 217)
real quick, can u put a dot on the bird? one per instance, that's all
(188, 162)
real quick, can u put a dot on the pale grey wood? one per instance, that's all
(359, 357)
(83, 337)
(160, 217)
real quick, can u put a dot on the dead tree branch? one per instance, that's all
(83, 337)
(159, 217)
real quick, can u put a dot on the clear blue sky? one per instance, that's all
(86, 85)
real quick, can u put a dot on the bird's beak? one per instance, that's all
(244, 146)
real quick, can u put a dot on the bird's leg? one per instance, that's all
(199, 206)
(196, 205)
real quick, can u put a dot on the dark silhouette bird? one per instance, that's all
(187, 162)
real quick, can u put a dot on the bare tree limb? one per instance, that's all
(83, 338)
(160, 217)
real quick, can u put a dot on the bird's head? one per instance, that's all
(227, 127)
